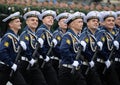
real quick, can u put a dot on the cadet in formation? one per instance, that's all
(9, 47)
(44, 32)
(58, 34)
(107, 35)
(69, 51)
(32, 75)
(88, 35)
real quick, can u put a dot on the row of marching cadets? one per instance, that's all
(70, 55)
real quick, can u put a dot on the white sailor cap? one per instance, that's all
(102, 15)
(48, 13)
(31, 14)
(12, 17)
(109, 14)
(93, 15)
(118, 13)
(62, 15)
(74, 16)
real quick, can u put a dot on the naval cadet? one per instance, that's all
(9, 47)
(58, 34)
(92, 19)
(44, 32)
(107, 37)
(69, 52)
(33, 75)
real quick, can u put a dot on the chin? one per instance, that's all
(19, 28)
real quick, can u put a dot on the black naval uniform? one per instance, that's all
(68, 54)
(58, 34)
(8, 52)
(48, 70)
(109, 77)
(91, 76)
(34, 75)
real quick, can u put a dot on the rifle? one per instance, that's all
(94, 56)
(17, 58)
(110, 56)
(34, 54)
(48, 53)
(77, 58)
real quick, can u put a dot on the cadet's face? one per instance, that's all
(61, 24)
(93, 24)
(32, 22)
(15, 24)
(109, 22)
(78, 24)
(48, 20)
(117, 21)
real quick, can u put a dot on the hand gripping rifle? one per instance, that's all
(48, 53)
(34, 54)
(17, 58)
(77, 58)
(110, 56)
(112, 52)
(93, 58)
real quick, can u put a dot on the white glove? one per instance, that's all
(75, 63)
(47, 59)
(41, 41)
(54, 41)
(32, 61)
(91, 63)
(23, 45)
(14, 67)
(116, 44)
(107, 63)
(83, 43)
(100, 44)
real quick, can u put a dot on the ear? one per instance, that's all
(10, 24)
(58, 23)
(26, 21)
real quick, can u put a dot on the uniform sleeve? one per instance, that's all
(88, 53)
(66, 49)
(104, 52)
(41, 34)
(27, 53)
(56, 50)
(5, 46)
